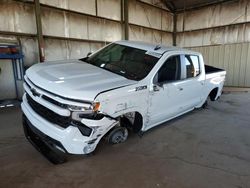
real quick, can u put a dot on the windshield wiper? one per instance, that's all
(123, 72)
(113, 71)
(120, 72)
(130, 76)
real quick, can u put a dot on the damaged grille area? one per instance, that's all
(63, 121)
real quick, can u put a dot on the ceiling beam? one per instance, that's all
(155, 6)
(170, 5)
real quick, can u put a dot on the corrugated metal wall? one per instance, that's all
(222, 33)
(234, 58)
(150, 24)
(72, 28)
(20, 18)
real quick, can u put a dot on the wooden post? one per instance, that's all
(126, 21)
(174, 29)
(39, 30)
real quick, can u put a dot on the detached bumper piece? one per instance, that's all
(52, 149)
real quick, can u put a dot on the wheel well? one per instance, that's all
(138, 122)
(134, 120)
(213, 94)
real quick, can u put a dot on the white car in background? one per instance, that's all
(69, 106)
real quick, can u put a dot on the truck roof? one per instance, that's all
(157, 48)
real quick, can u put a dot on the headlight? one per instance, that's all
(95, 106)
(79, 112)
(78, 108)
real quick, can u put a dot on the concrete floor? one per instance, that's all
(205, 148)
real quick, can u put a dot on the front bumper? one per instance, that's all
(50, 148)
(71, 139)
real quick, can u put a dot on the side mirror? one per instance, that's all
(157, 86)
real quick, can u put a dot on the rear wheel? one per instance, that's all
(205, 104)
(118, 135)
(211, 97)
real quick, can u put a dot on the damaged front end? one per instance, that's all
(73, 131)
(57, 151)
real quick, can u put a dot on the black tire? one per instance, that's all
(205, 104)
(118, 135)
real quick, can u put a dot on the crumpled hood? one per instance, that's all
(75, 79)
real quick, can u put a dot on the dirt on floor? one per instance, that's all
(204, 148)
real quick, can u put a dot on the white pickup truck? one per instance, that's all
(69, 106)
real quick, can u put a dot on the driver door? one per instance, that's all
(166, 97)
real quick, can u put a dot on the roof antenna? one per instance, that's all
(157, 47)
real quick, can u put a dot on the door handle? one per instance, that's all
(180, 88)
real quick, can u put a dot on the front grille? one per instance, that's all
(55, 118)
(54, 102)
(63, 121)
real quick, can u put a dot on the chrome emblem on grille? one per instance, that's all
(34, 92)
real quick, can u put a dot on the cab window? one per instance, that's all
(170, 70)
(192, 66)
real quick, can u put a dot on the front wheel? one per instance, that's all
(118, 135)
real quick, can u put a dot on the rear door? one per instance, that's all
(193, 81)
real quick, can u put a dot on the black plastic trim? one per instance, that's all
(43, 143)
(49, 115)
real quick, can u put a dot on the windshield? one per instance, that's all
(129, 62)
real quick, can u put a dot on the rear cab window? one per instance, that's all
(191, 66)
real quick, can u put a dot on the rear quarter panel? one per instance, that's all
(215, 80)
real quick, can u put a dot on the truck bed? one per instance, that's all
(213, 73)
(211, 69)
